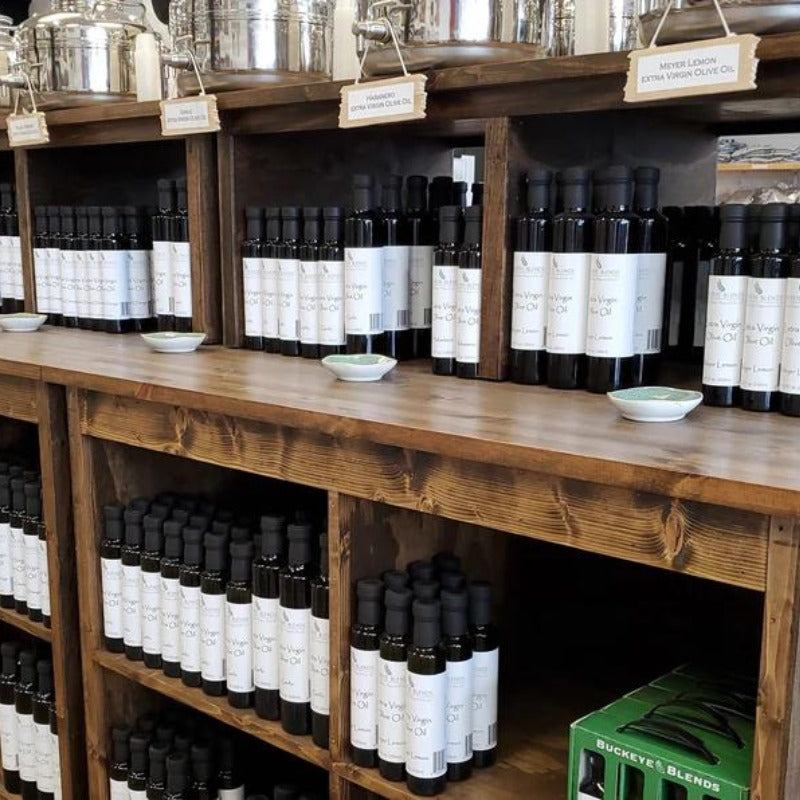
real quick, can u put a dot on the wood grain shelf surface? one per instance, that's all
(775, 166)
(724, 457)
(22, 622)
(244, 720)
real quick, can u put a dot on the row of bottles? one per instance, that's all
(24, 572)
(92, 267)
(12, 285)
(28, 724)
(179, 756)
(424, 662)
(589, 282)
(320, 281)
(199, 593)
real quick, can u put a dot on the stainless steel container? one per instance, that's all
(439, 34)
(8, 59)
(239, 43)
(576, 27)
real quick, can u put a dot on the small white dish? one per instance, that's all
(22, 322)
(655, 403)
(360, 368)
(173, 342)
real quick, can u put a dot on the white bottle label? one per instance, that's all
(309, 315)
(468, 303)
(162, 278)
(41, 280)
(80, 259)
(612, 305)
(137, 794)
(56, 765)
(69, 296)
(151, 612)
(56, 285)
(170, 612)
(9, 738)
(27, 747)
(722, 356)
(132, 605)
(140, 292)
(391, 711)
(420, 282)
(6, 560)
(95, 279)
(426, 735)
(16, 260)
(266, 648)
(648, 321)
(239, 647)
(364, 698)
(484, 699)
(231, 794)
(182, 279)
(567, 301)
(44, 574)
(190, 628)
(212, 632)
(111, 579)
(443, 336)
(289, 311)
(459, 711)
(529, 301)
(790, 357)
(251, 289)
(294, 669)
(320, 656)
(44, 759)
(114, 282)
(330, 302)
(118, 790)
(32, 575)
(270, 296)
(363, 291)
(396, 269)
(763, 329)
(18, 554)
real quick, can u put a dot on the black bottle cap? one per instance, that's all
(241, 561)
(165, 734)
(480, 603)
(158, 762)
(173, 539)
(427, 625)
(458, 194)
(440, 192)
(133, 527)
(95, 221)
(290, 223)
(177, 769)
(452, 580)
(226, 754)
(299, 536)
(285, 791)
(733, 228)
(773, 227)
(273, 216)
(7, 195)
(140, 504)
(362, 192)
(130, 220)
(616, 186)
(182, 743)
(323, 554)
(426, 589)
(391, 193)
(10, 654)
(473, 225)
(18, 494)
(334, 224)
(216, 552)
(450, 224)
(272, 535)
(455, 605)
(398, 607)
(166, 195)
(202, 763)
(67, 217)
(180, 194)
(192, 547)
(646, 191)
(201, 521)
(417, 193)
(153, 534)
(180, 515)
(120, 737)
(147, 723)
(311, 224)
(539, 182)
(54, 219)
(81, 221)
(574, 185)
(395, 579)
(239, 533)
(370, 596)
(445, 561)
(110, 220)
(44, 670)
(422, 570)
(139, 743)
(793, 226)
(255, 223)
(160, 510)
(40, 220)
(33, 499)
(5, 491)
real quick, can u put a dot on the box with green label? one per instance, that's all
(683, 737)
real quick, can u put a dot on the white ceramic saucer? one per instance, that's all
(655, 403)
(172, 342)
(359, 369)
(22, 323)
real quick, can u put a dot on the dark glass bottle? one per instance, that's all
(319, 649)
(42, 703)
(532, 256)
(790, 354)
(93, 269)
(23, 702)
(727, 295)
(422, 570)
(67, 273)
(459, 194)
(30, 532)
(151, 591)
(137, 249)
(422, 228)
(295, 616)
(170, 601)
(763, 327)
(114, 271)
(363, 272)
(239, 627)
(157, 776)
(266, 602)
(701, 246)
(190, 574)
(612, 286)
(80, 255)
(486, 657)
(440, 194)
(648, 335)
(137, 773)
(181, 261)
(54, 268)
(212, 614)
(568, 287)
(444, 332)
(41, 270)
(458, 650)
(396, 236)
(10, 227)
(593, 783)
(270, 282)
(57, 777)
(44, 568)
(131, 584)
(426, 589)
(477, 194)
(9, 735)
(364, 656)
(330, 281)
(426, 699)
(468, 296)
(177, 777)
(251, 277)
(394, 579)
(203, 773)
(308, 281)
(289, 272)
(229, 782)
(392, 675)
(119, 763)
(6, 546)
(162, 270)
(16, 521)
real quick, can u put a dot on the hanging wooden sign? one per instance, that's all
(187, 115)
(27, 129)
(381, 102)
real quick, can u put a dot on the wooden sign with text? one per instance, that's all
(27, 129)
(187, 115)
(381, 102)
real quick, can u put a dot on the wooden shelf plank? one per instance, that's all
(23, 623)
(244, 720)
(18, 398)
(776, 166)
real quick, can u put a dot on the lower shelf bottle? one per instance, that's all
(23, 701)
(426, 697)
(212, 614)
(42, 704)
(177, 777)
(229, 783)
(790, 352)
(320, 651)
(468, 297)
(137, 772)
(132, 584)
(118, 766)
(239, 627)
(9, 735)
(157, 776)
(190, 606)
(170, 601)
(16, 523)
(111, 578)
(30, 534)
(203, 777)
(6, 552)
(151, 591)
(486, 661)
(445, 281)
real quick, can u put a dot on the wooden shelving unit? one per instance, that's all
(20, 621)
